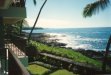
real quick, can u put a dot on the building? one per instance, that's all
(12, 62)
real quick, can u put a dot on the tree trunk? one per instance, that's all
(21, 26)
(106, 55)
(36, 20)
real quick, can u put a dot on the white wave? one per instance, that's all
(83, 46)
(75, 37)
(79, 38)
(74, 41)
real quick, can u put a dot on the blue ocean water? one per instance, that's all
(85, 38)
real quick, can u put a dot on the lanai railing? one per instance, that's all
(15, 67)
(10, 62)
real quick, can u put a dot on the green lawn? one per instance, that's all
(36, 69)
(71, 54)
(62, 72)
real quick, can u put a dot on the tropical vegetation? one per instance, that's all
(36, 18)
(63, 52)
(94, 8)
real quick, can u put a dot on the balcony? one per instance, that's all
(13, 14)
(13, 60)
(4, 4)
(12, 11)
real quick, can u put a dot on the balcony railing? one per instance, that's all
(15, 67)
(10, 64)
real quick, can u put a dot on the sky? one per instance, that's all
(66, 14)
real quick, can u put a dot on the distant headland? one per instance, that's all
(29, 28)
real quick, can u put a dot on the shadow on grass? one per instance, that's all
(50, 71)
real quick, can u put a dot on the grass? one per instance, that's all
(62, 72)
(37, 70)
(69, 53)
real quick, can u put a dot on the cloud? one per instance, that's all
(49, 23)
(53, 23)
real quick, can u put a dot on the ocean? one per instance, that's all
(80, 38)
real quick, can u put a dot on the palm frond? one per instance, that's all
(35, 2)
(95, 7)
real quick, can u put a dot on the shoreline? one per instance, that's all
(61, 40)
(54, 39)
(51, 40)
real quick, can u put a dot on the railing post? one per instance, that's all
(2, 46)
(1, 32)
(3, 59)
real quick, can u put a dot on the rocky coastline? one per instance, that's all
(51, 40)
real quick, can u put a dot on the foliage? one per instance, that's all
(95, 7)
(68, 53)
(11, 29)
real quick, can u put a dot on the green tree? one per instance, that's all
(92, 9)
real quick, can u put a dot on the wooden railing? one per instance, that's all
(10, 64)
(15, 67)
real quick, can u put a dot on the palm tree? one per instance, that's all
(36, 18)
(94, 8)
(23, 2)
(34, 1)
